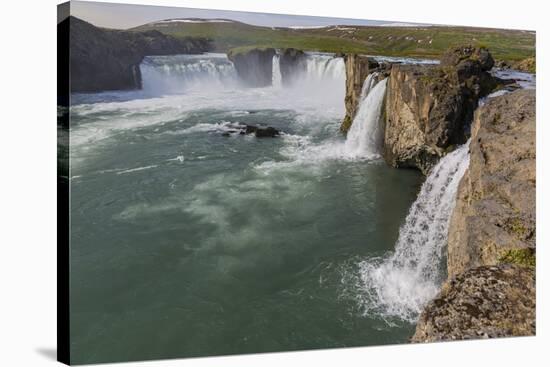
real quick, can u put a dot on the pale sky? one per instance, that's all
(123, 16)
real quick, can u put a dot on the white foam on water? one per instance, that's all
(179, 158)
(397, 286)
(224, 126)
(137, 169)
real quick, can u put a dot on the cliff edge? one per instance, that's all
(107, 59)
(492, 243)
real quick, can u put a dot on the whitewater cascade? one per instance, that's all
(276, 79)
(399, 285)
(324, 68)
(180, 73)
(364, 138)
(368, 84)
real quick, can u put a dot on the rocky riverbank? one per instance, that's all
(105, 59)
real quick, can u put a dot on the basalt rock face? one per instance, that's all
(292, 63)
(484, 302)
(429, 108)
(254, 66)
(102, 59)
(358, 67)
(494, 217)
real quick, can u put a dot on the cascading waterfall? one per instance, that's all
(323, 68)
(178, 73)
(368, 84)
(398, 286)
(364, 138)
(276, 79)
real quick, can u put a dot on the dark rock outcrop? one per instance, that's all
(105, 59)
(495, 215)
(292, 63)
(258, 131)
(254, 66)
(429, 108)
(484, 302)
(358, 67)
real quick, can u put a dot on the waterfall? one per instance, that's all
(364, 138)
(368, 84)
(324, 68)
(276, 79)
(180, 73)
(399, 285)
(320, 78)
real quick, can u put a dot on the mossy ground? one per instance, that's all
(430, 42)
(523, 257)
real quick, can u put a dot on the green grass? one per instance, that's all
(510, 45)
(523, 257)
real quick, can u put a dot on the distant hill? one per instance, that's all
(420, 41)
(107, 59)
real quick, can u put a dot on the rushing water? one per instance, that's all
(186, 242)
(365, 135)
(400, 283)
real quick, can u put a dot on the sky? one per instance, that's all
(124, 16)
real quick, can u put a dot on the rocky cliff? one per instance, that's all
(429, 108)
(495, 209)
(254, 65)
(358, 67)
(103, 59)
(491, 245)
(484, 302)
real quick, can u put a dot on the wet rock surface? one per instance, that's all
(484, 302)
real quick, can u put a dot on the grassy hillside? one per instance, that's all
(508, 45)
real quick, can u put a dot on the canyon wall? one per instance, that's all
(104, 59)
(429, 108)
(495, 211)
(492, 242)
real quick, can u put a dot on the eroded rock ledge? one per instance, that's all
(484, 302)
(429, 108)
